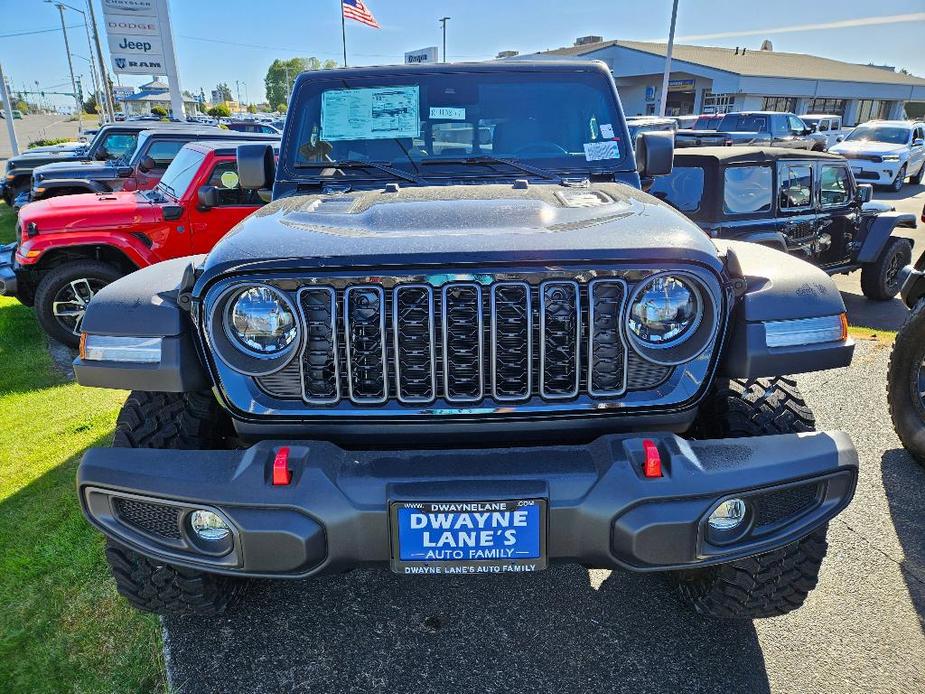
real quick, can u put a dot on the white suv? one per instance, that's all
(885, 152)
(827, 128)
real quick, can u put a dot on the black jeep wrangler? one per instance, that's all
(461, 339)
(805, 203)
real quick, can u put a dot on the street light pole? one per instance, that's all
(443, 21)
(664, 102)
(104, 73)
(70, 66)
(8, 109)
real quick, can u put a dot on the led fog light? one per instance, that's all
(728, 515)
(209, 526)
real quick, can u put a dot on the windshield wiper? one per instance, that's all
(379, 166)
(489, 159)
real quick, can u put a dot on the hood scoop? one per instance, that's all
(583, 198)
(342, 204)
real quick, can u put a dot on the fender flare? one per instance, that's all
(86, 185)
(126, 244)
(879, 231)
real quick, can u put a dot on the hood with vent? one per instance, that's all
(441, 225)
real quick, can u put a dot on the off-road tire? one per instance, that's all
(900, 180)
(753, 407)
(56, 279)
(152, 586)
(189, 421)
(880, 279)
(770, 584)
(906, 407)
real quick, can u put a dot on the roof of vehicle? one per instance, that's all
(207, 131)
(738, 155)
(760, 113)
(224, 148)
(487, 66)
(655, 119)
(820, 115)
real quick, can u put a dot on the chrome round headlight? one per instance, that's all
(260, 321)
(665, 311)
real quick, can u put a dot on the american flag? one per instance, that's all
(356, 9)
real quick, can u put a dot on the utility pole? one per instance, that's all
(286, 70)
(664, 102)
(443, 21)
(104, 73)
(70, 66)
(8, 108)
(237, 86)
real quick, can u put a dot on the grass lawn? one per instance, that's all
(63, 627)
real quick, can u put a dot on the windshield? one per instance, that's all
(180, 173)
(707, 123)
(743, 123)
(880, 133)
(565, 122)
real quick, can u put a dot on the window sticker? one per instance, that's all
(607, 149)
(377, 113)
(607, 131)
(447, 113)
(229, 179)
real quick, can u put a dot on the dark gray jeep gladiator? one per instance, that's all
(462, 339)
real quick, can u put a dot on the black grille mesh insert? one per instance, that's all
(560, 320)
(365, 327)
(782, 504)
(155, 519)
(319, 358)
(606, 351)
(462, 342)
(512, 337)
(414, 343)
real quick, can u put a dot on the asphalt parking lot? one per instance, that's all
(570, 630)
(36, 127)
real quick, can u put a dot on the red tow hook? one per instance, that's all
(282, 475)
(652, 465)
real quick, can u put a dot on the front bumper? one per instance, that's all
(878, 174)
(602, 511)
(8, 284)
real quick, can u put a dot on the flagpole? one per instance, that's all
(343, 31)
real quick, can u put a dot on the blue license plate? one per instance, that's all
(446, 537)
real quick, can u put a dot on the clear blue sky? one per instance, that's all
(228, 40)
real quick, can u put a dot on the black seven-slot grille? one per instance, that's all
(463, 342)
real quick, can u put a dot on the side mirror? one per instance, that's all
(808, 131)
(146, 165)
(208, 197)
(865, 193)
(124, 171)
(102, 154)
(918, 142)
(654, 153)
(256, 167)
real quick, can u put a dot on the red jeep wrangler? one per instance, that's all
(69, 247)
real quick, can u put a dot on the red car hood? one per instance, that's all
(89, 211)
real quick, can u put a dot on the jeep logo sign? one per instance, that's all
(422, 55)
(135, 45)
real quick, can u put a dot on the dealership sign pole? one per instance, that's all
(664, 102)
(141, 42)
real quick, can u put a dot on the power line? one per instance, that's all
(37, 31)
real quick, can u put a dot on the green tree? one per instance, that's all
(159, 111)
(90, 106)
(219, 111)
(282, 108)
(276, 84)
(224, 90)
(251, 108)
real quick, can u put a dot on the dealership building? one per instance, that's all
(707, 79)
